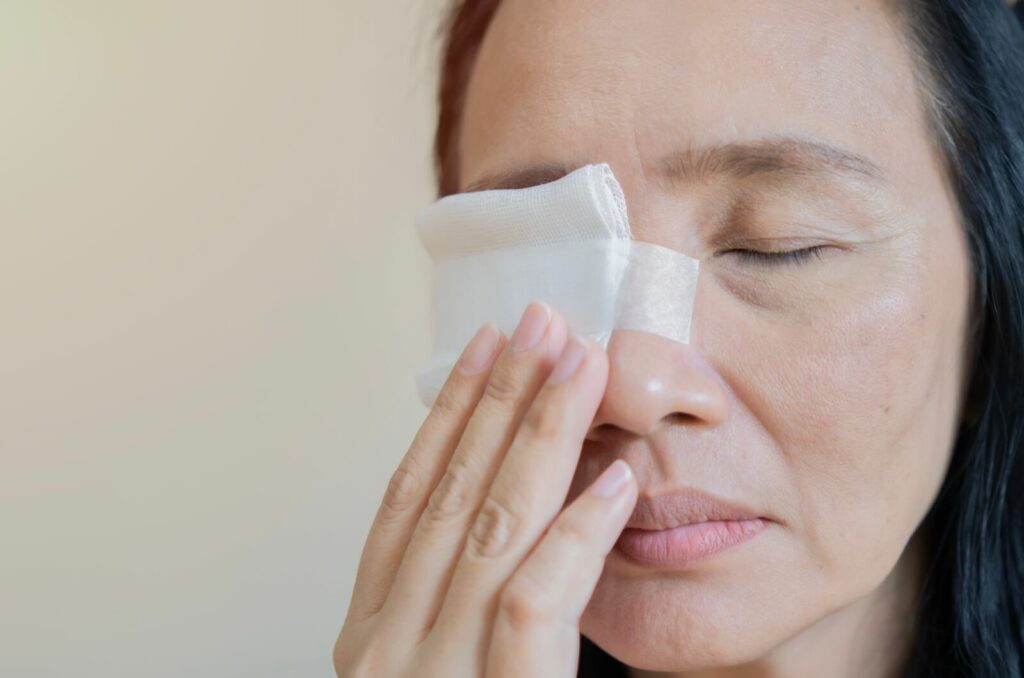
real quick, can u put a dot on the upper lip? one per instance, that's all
(685, 507)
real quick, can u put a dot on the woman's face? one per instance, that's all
(821, 389)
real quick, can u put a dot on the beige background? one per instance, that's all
(211, 304)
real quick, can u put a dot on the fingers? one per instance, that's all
(438, 539)
(419, 471)
(530, 487)
(537, 623)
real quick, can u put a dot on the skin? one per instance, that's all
(824, 392)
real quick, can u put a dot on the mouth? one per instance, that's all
(674, 531)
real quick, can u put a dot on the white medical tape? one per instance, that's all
(566, 242)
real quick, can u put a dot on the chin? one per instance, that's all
(672, 621)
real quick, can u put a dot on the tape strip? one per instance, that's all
(567, 242)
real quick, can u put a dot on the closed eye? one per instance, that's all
(778, 258)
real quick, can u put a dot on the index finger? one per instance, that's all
(420, 470)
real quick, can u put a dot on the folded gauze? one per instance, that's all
(566, 242)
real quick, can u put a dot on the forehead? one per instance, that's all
(584, 80)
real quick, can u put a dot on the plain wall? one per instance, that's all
(212, 301)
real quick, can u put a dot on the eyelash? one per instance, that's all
(759, 257)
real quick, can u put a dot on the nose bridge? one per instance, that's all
(652, 380)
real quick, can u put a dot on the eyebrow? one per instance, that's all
(786, 157)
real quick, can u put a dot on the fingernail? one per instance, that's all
(613, 480)
(531, 327)
(572, 355)
(479, 350)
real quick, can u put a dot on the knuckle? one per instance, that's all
(351, 661)
(504, 387)
(452, 495)
(544, 421)
(450, 401)
(403, 491)
(572, 534)
(522, 605)
(494, 529)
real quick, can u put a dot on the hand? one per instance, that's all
(472, 567)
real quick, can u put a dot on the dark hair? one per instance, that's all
(970, 54)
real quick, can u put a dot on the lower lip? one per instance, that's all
(678, 547)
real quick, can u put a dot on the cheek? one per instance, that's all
(858, 389)
(840, 376)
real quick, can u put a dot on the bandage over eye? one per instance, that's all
(568, 243)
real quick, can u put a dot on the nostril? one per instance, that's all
(601, 431)
(609, 432)
(683, 418)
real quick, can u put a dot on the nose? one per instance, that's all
(653, 381)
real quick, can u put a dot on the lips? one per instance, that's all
(679, 529)
(685, 507)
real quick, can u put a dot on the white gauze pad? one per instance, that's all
(566, 242)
